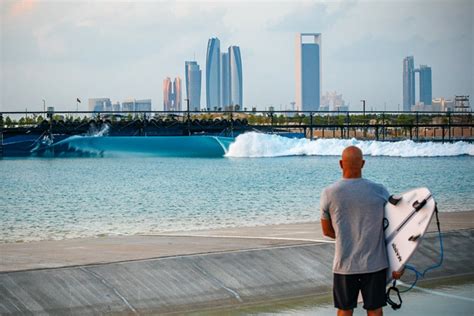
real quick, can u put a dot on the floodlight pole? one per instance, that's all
(189, 117)
(365, 123)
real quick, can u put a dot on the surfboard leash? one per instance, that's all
(418, 274)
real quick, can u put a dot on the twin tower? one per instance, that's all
(409, 71)
(224, 81)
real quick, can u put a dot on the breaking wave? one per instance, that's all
(164, 146)
(265, 145)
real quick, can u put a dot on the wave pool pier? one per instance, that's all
(21, 131)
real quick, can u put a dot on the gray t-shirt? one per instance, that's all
(356, 209)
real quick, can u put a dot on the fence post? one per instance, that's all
(417, 124)
(449, 126)
(383, 126)
(1, 135)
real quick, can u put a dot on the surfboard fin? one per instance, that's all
(393, 199)
(414, 237)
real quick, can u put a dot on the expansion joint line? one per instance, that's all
(218, 282)
(108, 285)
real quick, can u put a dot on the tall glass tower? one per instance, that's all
(408, 83)
(308, 71)
(177, 93)
(172, 95)
(426, 91)
(225, 79)
(167, 94)
(426, 95)
(235, 75)
(213, 74)
(193, 85)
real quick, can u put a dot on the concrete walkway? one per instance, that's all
(183, 273)
(72, 252)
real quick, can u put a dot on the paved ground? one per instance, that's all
(179, 284)
(73, 252)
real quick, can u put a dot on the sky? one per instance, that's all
(62, 50)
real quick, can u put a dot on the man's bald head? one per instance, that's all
(352, 162)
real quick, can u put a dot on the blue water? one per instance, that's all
(57, 198)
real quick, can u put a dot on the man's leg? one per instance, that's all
(375, 312)
(345, 312)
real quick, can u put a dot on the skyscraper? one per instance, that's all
(235, 76)
(178, 94)
(172, 95)
(426, 95)
(308, 71)
(167, 94)
(225, 80)
(193, 85)
(408, 83)
(213, 74)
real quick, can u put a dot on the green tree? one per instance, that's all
(8, 122)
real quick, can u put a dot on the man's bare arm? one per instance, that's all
(328, 230)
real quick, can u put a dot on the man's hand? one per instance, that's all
(397, 275)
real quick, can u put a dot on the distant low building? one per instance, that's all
(421, 107)
(457, 104)
(100, 105)
(143, 105)
(442, 105)
(133, 105)
(116, 106)
(461, 103)
(332, 101)
(128, 105)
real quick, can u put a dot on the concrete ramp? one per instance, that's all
(184, 283)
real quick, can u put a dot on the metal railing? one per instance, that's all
(378, 125)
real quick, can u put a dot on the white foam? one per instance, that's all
(266, 145)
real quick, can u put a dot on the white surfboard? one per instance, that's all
(407, 217)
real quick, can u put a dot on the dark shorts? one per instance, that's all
(372, 285)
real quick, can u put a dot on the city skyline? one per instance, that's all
(60, 52)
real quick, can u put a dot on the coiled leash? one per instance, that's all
(390, 302)
(418, 274)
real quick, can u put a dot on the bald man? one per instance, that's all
(352, 211)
